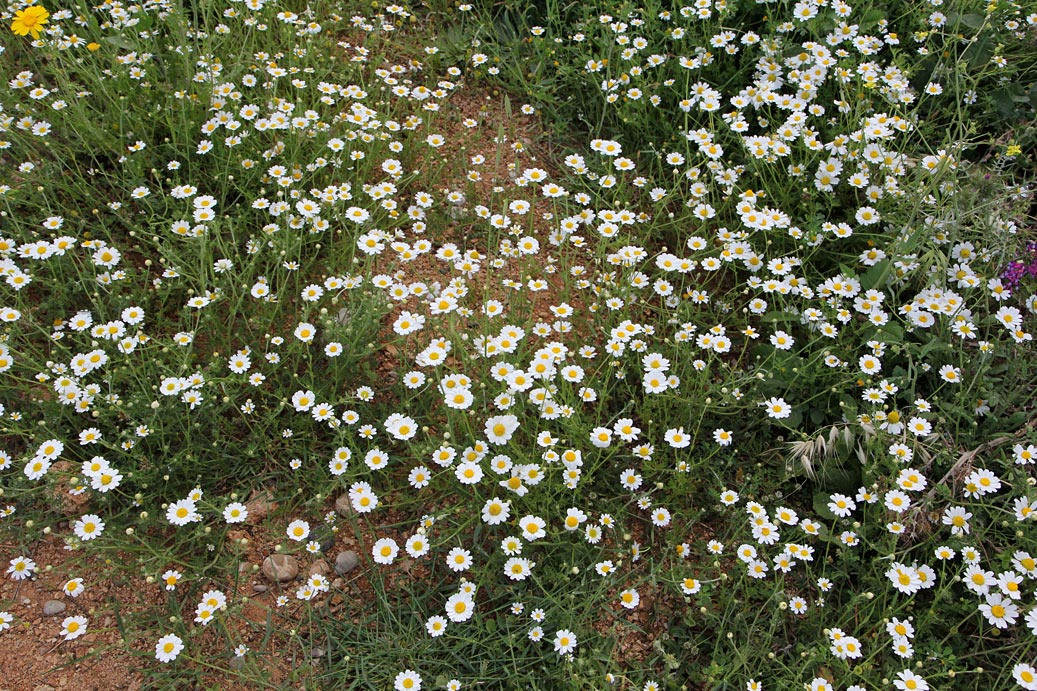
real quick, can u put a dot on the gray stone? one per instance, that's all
(346, 562)
(316, 652)
(52, 608)
(320, 567)
(343, 507)
(280, 567)
(259, 587)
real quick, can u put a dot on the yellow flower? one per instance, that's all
(30, 21)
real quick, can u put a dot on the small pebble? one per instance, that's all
(343, 507)
(280, 567)
(346, 562)
(259, 506)
(259, 587)
(52, 608)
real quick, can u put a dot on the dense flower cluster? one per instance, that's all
(528, 386)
